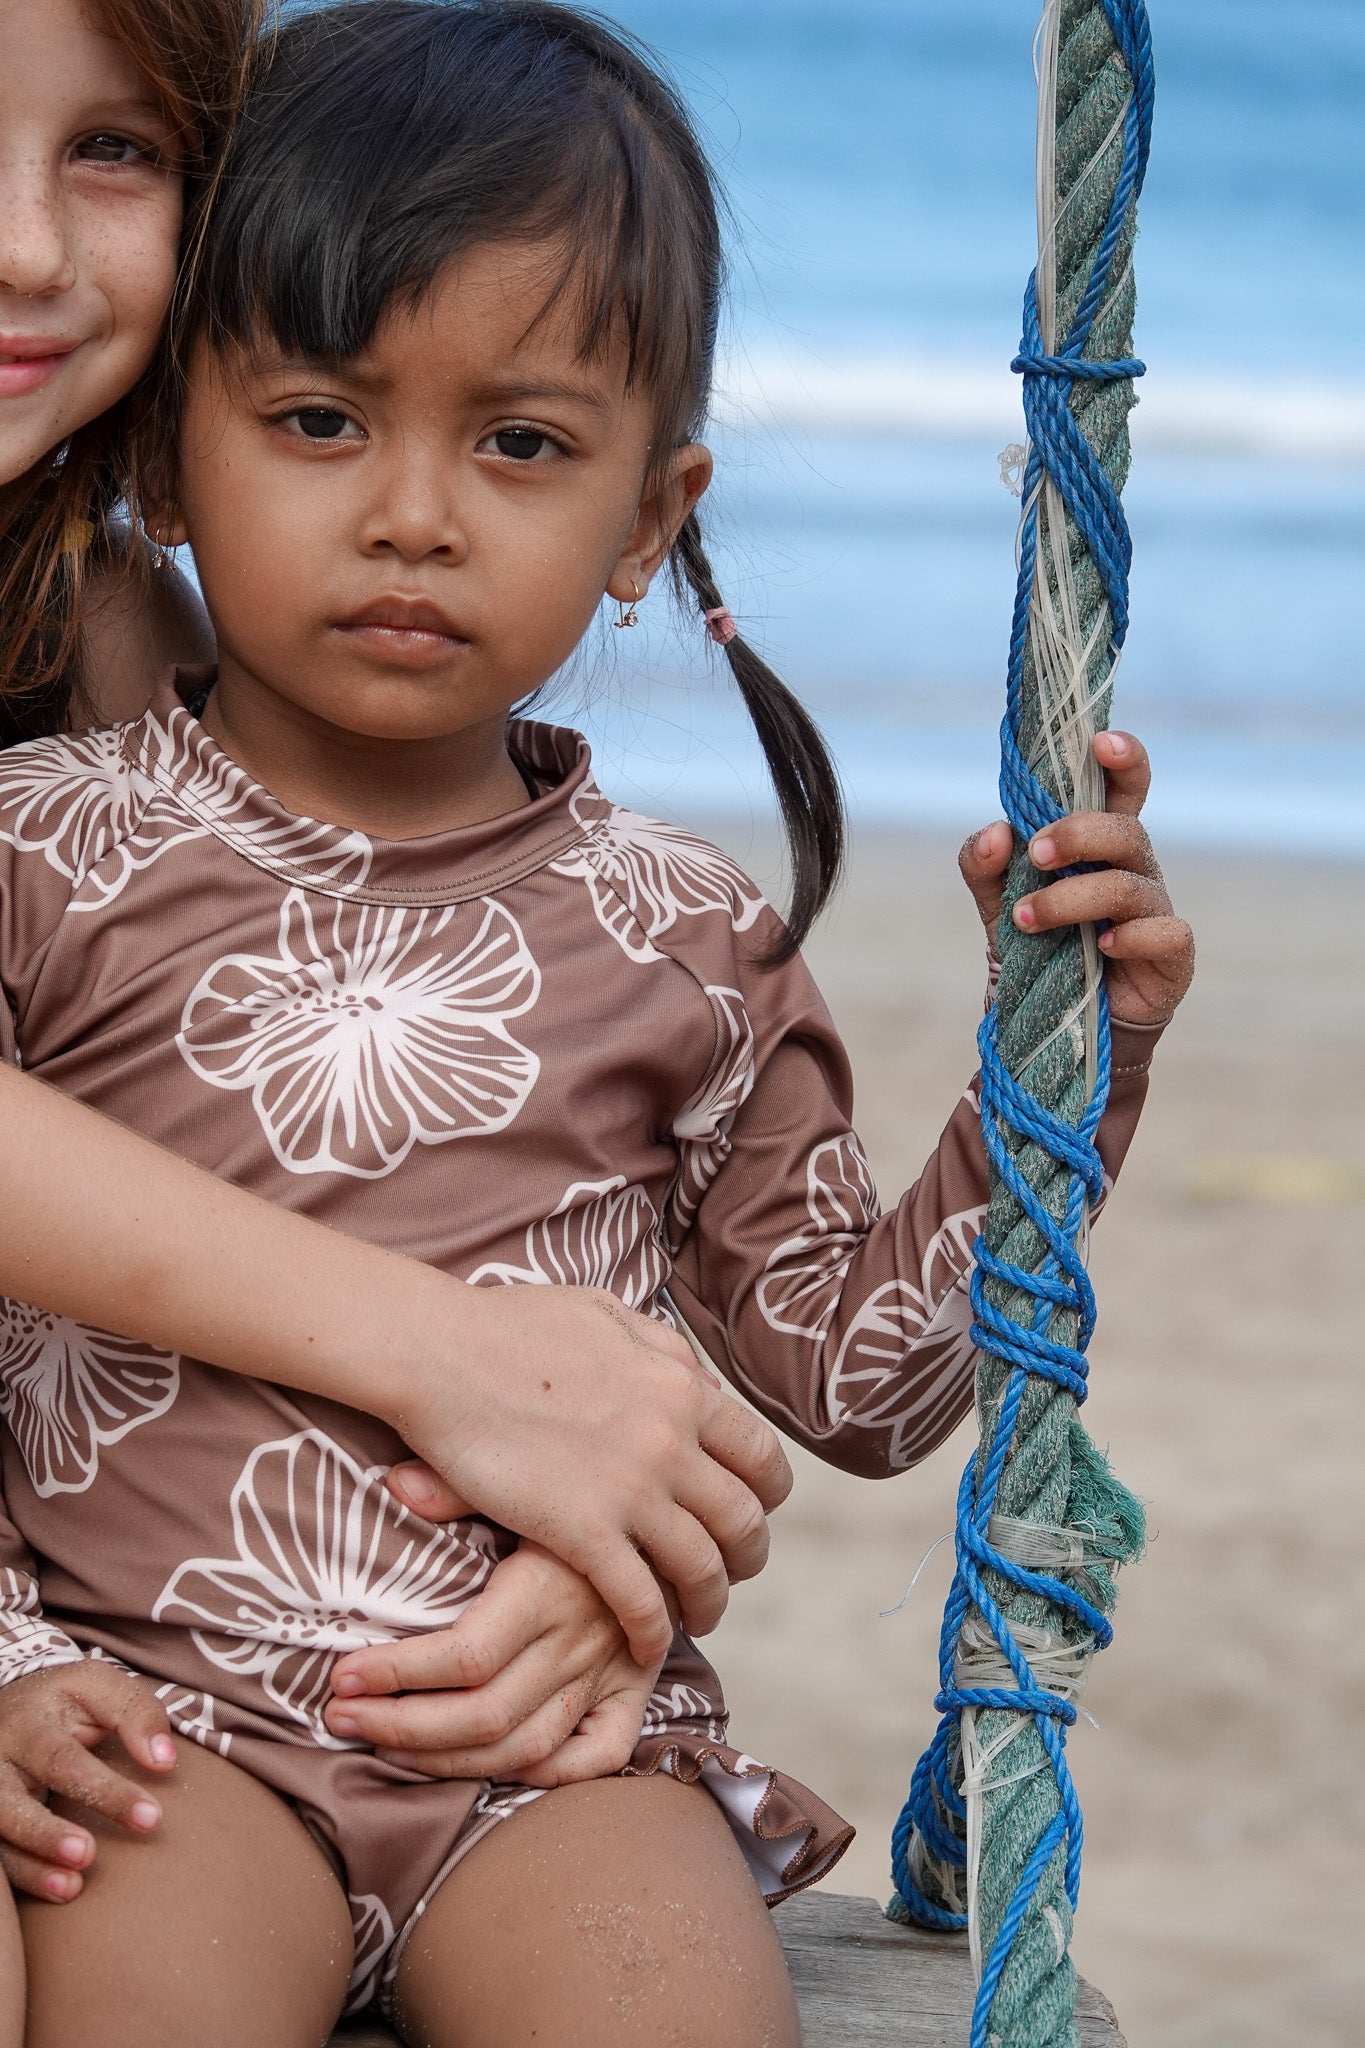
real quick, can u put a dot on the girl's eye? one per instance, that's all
(320, 423)
(521, 444)
(113, 149)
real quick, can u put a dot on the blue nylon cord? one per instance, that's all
(1058, 450)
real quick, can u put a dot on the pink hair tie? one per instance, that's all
(720, 624)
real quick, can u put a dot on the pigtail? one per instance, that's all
(803, 774)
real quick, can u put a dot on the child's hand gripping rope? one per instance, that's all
(50, 1723)
(1149, 950)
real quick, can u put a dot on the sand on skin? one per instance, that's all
(1225, 1802)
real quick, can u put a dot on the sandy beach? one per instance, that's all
(1225, 1858)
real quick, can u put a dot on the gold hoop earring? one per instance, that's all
(629, 614)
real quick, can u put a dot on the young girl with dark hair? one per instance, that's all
(109, 118)
(334, 920)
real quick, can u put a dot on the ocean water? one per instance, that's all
(878, 159)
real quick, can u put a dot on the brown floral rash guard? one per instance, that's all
(538, 1050)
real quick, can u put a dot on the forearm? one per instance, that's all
(109, 1229)
(619, 1456)
(850, 1329)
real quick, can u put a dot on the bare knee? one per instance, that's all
(603, 1916)
(226, 1925)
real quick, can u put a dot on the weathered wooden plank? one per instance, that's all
(863, 1983)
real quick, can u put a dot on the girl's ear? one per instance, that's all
(162, 523)
(674, 491)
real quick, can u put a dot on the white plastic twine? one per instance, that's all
(1062, 653)
(1060, 1667)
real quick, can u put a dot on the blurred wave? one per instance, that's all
(954, 399)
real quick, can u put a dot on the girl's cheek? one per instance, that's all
(131, 265)
(126, 256)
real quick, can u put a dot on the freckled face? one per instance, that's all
(90, 206)
(407, 545)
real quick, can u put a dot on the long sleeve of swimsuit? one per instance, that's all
(28, 1640)
(847, 1327)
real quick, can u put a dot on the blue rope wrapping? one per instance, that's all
(1059, 451)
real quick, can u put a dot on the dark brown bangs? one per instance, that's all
(382, 139)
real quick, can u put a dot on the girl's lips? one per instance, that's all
(405, 646)
(409, 632)
(26, 365)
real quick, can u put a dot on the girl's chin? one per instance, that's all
(32, 424)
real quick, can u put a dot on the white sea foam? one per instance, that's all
(961, 398)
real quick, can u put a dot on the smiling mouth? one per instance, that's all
(26, 365)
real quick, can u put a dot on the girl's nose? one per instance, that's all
(35, 253)
(415, 511)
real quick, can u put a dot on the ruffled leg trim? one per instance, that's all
(789, 1837)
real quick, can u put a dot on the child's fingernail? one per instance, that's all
(1043, 852)
(63, 1884)
(984, 842)
(73, 1848)
(1107, 942)
(346, 1685)
(1025, 916)
(343, 1724)
(404, 1758)
(1117, 743)
(416, 1482)
(145, 1813)
(163, 1749)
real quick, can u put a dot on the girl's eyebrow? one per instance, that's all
(526, 391)
(135, 105)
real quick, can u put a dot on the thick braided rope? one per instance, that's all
(1043, 1093)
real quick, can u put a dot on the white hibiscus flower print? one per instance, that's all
(67, 1391)
(372, 1930)
(195, 1716)
(603, 1234)
(28, 1640)
(643, 876)
(384, 1029)
(327, 1561)
(701, 1128)
(88, 810)
(907, 1356)
(805, 1275)
(670, 1704)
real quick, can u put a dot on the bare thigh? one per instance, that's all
(11, 1971)
(613, 1913)
(225, 1927)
